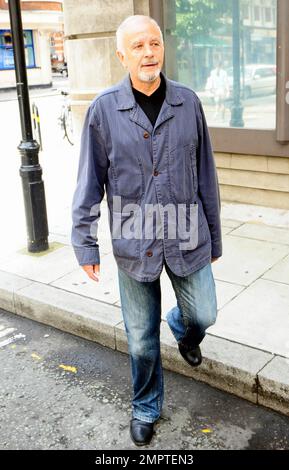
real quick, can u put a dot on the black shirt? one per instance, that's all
(151, 105)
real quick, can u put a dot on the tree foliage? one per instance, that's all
(195, 17)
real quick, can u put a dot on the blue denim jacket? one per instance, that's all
(170, 165)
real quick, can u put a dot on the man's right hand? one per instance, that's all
(92, 271)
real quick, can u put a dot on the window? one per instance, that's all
(227, 58)
(246, 11)
(268, 17)
(274, 15)
(257, 16)
(6, 49)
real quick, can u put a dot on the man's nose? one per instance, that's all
(148, 51)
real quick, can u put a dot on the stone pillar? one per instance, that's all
(169, 19)
(89, 27)
(44, 49)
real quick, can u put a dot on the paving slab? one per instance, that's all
(262, 232)
(279, 272)
(252, 213)
(230, 223)
(105, 290)
(41, 267)
(245, 260)
(257, 317)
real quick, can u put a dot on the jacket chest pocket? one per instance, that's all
(129, 176)
(183, 173)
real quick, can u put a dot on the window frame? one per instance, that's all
(263, 142)
(26, 46)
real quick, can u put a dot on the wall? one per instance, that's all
(89, 28)
(254, 179)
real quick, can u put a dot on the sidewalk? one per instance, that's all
(246, 352)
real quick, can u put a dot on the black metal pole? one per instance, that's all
(237, 108)
(30, 170)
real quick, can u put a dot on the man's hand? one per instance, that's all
(214, 259)
(92, 271)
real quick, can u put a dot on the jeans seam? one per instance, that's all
(179, 300)
(185, 318)
(161, 386)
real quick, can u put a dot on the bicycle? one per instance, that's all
(65, 119)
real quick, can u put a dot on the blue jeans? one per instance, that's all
(141, 309)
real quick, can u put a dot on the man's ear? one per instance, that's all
(121, 58)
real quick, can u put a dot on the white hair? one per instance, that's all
(125, 25)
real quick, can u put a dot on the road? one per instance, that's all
(58, 391)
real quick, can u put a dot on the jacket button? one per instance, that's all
(156, 173)
(146, 135)
(149, 253)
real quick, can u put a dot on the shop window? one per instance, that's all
(6, 49)
(226, 57)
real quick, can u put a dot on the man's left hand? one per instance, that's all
(214, 259)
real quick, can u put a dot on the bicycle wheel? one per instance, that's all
(61, 122)
(67, 123)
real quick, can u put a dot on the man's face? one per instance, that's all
(143, 51)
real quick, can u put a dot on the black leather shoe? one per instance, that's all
(141, 432)
(191, 356)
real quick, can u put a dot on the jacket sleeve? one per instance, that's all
(89, 192)
(208, 183)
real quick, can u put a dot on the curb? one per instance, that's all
(257, 376)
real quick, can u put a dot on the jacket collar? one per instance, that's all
(126, 99)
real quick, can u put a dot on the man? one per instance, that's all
(145, 141)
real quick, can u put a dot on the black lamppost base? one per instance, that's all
(37, 246)
(30, 169)
(34, 197)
